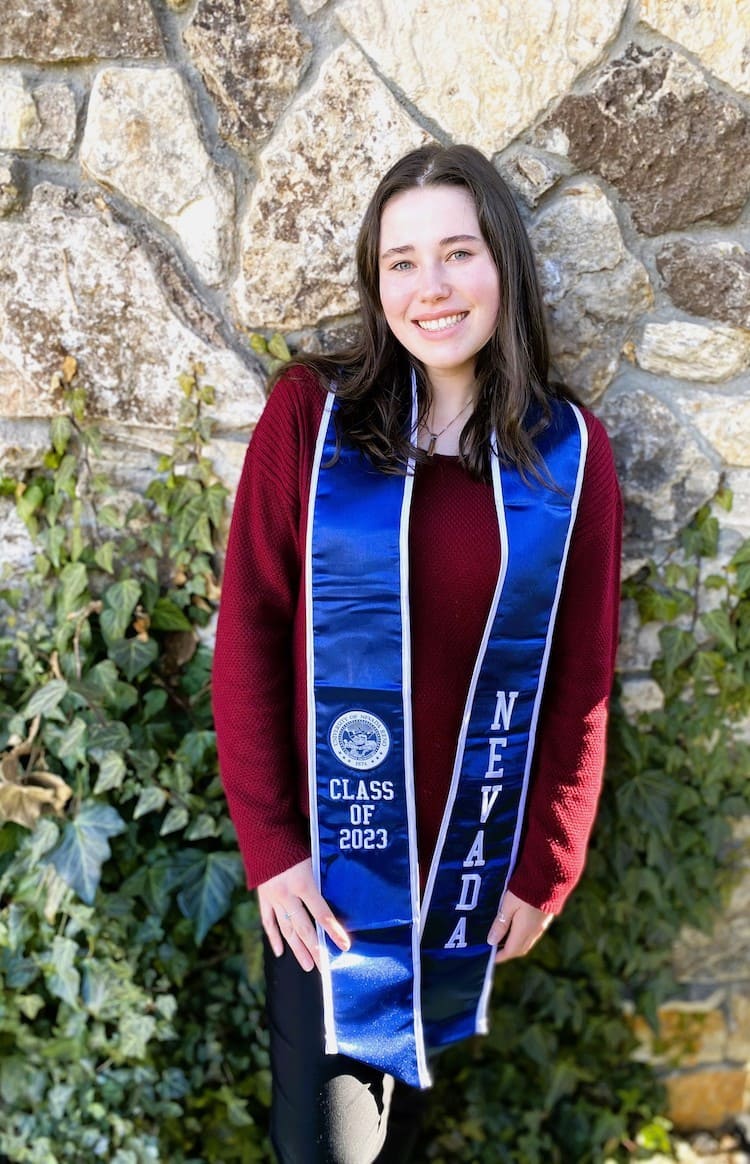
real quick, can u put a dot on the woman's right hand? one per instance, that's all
(288, 904)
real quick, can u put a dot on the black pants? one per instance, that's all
(328, 1109)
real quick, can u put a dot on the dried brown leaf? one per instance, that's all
(24, 803)
(69, 368)
(26, 791)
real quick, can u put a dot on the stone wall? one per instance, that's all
(175, 174)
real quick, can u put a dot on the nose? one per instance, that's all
(433, 284)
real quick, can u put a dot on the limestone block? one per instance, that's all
(10, 190)
(593, 287)
(665, 474)
(738, 520)
(56, 106)
(689, 1033)
(710, 279)
(310, 6)
(19, 120)
(23, 443)
(227, 456)
(724, 955)
(130, 453)
(697, 1030)
(718, 33)
(484, 71)
(40, 118)
(639, 645)
(738, 1044)
(38, 30)
(73, 280)
(677, 150)
(693, 351)
(141, 139)
(530, 176)
(706, 1100)
(723, 419)
(640, 695)
(316, 176)
(18, 548)
(252, 58)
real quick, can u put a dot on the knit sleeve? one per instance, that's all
(571, 741)
(253, 673)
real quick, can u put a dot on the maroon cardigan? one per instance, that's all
(259, 664)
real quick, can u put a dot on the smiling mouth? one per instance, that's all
(441, 324)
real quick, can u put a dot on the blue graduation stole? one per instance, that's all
(419, 972)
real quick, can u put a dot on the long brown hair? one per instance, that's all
(372, 377)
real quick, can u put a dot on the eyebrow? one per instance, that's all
(444, 242)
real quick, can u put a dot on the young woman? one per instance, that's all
(414, 656)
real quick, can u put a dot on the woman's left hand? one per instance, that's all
(519, 925)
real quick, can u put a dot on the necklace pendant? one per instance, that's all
(431, 445)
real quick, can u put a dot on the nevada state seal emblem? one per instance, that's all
(360, 740)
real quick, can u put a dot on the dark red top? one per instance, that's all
(259, 663)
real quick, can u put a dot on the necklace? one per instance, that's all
(434, 436)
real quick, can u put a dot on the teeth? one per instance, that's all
(441, 324)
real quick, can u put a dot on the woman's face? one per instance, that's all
(439, 286)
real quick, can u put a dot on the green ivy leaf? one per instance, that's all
(107, 738)
(725, 498)
(84, 848)
(717, 624)
(71, 745)
(104, 556)
(44, 838)
(277, 347)
(153, 702)
(55, 542)
(61, 431)
(145, 761)
(677, 645)
(197, 750)
(192, 527)
(207, 889)
(201, 535)
(46, 700)
(660, 604)
(136, 1031)
(216, 496)
(30, 1005)
(133, 656)
(203, 826)
(65, 477)
(112, 771)
(17, 971)
(27, 504)
(151, 799)
(103, 684)
(741, 563)
(109, 517)
(119, 603)
(64, 981)
(167, 616)
(177, 817)
(73, 585)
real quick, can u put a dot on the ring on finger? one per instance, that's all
(289, 916)
(502, 918)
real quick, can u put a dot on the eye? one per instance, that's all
(402, 265)
(460, 255)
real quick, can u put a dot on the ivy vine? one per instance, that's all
(556, 1081)
(129, 1008)
(131, 1026)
